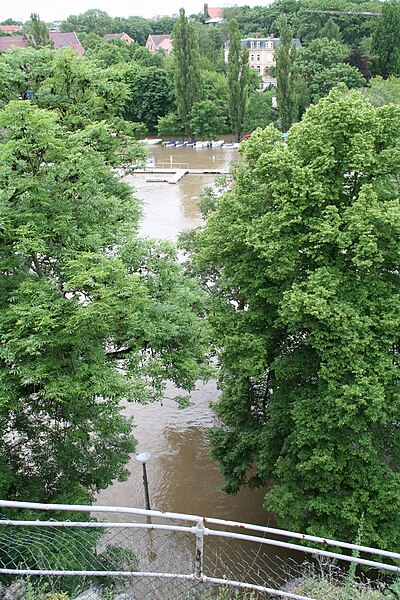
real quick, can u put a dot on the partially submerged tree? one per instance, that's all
(303, 258)
(206, 120)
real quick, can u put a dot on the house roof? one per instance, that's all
(263, 43)
(10, 28)
(160, 39)
(214, 20)
(60, 40)
(214, 13)
(67, 40)
(116, 36)
(9, 42)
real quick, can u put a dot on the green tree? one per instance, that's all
(322, 65)
(287, 79)
(39, 36)
(169, 125)
(23, 69)
(303, 259)
(383, 91)
(215, 88)
(385, 39)
(10, 22)
(92, 21)
(80, 92)
(186, 69)
(331, 31)
(163, 26)
(238, 79)
(354, 26)
(136, 27)
(90, 314)
(211, 47)
(151, 95)
(206, 120)
(260, 112)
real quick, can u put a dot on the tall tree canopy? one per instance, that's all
(238, 79)
(303, 257)
(39, 36)
(385, 39)
(90, 314)
(322, 65)
(186, 69)
(286, 76)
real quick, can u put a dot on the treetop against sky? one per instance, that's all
(118, 8)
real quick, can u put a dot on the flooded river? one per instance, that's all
(182, 477)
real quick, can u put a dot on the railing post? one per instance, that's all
(198, 569)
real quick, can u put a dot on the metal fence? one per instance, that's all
(119, 553)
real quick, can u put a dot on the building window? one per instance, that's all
(258, 57)
(251, 44)
(251, 57)
(259, 69)
(258, 44)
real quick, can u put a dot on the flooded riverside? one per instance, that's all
(182, 477)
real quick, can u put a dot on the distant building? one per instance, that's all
(10, 29)
(55, 26)
(118, 36)
(262, 55)
(60, 40)
(159, 42)
(212, 16)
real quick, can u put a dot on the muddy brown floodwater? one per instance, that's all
(182, 477)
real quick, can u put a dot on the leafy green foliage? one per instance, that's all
(301, 261)
(151, 95)
(39, 36)
(186, 69)
(206, 121)
(385, 41)
(260, 112)
(322, 66)
(86, 319)
(286, 76)
(353, 26)
(383, 91)
(238, 80)
(331, 31)
(169, 125)
(92, 21)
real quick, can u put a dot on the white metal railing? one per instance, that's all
(212, 556)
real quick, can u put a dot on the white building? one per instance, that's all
(261, 55)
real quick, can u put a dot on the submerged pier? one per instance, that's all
(175, 175)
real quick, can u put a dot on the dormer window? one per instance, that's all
(258, 44)
(251, 44)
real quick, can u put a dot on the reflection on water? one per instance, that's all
(182, 477)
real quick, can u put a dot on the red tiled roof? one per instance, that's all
(61, 40)
(215, 12)
(14, 41)
(10, 28)
(67, 40)
(159, 39)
